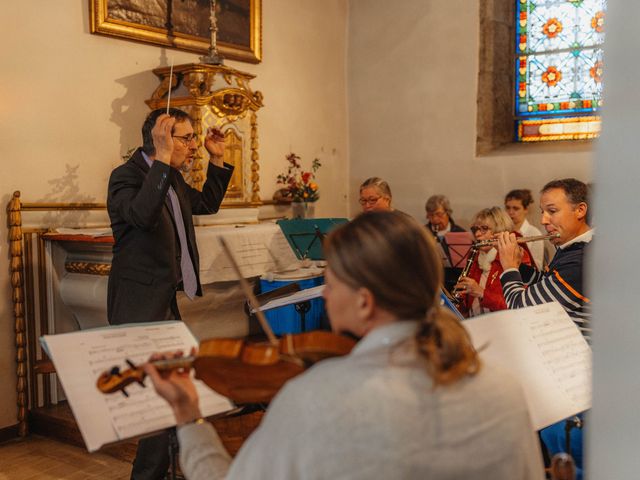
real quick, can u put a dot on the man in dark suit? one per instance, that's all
(155, 252)
(149, 258)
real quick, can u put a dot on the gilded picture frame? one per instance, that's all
(183, 24)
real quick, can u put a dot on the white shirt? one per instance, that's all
(586, 237)
(441, 232)
(484, 262)
(536, 248)
(374, 414)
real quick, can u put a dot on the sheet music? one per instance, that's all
(80, 357)
(256, 248)
(296, 297)
(544, 349)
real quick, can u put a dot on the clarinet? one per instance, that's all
(459, 294)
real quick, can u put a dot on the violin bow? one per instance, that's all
(248, 292)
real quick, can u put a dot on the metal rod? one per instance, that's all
(251, 298)
(491, 241)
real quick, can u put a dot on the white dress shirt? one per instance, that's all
(536, 248)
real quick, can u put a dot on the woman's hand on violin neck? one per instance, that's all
(176, 387)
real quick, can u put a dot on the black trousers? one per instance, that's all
(152, 457)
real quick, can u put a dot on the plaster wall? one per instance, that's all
(72, 103)
(412, 91)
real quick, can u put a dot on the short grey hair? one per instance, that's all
(436, 201)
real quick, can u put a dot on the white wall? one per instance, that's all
(412, 70)
(72, 103)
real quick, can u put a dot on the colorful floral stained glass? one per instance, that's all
(559, 69)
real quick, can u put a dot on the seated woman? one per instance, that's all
(439, 219)
(375, 195)
(516, 204)
(412, 400)
(481, 287)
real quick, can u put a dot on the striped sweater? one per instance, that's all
(562, 281)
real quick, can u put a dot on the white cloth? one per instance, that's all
(536, 248)
(485, 259)
(374, 414)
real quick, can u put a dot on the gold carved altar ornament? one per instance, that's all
(217, 96)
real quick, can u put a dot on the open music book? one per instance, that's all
(543, 348)
(80, 357)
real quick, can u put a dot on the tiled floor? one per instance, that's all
(38, 458)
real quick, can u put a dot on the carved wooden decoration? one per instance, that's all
(17, 285)
(218, 96)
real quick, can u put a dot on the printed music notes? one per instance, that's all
(543, 348)
(80, 357)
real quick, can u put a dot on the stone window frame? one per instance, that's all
(495, 119)
(495, 99)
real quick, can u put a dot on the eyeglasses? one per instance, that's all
(436, 214)
(369, 201)
(480, 228)
(185, 139)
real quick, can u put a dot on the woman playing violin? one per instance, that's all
(411, 400)
(482, 284)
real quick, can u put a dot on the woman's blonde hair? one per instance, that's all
(392, 256)
(497, 217)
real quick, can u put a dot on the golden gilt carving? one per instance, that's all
(255, 156)
(17, 286)
(89, 268)
(218, 96)
(196, 176)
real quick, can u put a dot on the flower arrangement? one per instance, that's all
(298, 184)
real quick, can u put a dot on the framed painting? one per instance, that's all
(183, 24)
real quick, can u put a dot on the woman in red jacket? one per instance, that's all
(482, 285)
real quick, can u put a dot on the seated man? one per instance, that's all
(564, 207)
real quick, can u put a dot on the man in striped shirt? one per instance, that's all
(564, 206)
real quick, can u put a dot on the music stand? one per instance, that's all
(458, 245)
(305, 235)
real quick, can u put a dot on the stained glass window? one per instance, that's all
(558, 69)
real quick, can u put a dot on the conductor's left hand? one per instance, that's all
(214, 143)
(176, 387)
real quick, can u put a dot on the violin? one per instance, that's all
(243, 371)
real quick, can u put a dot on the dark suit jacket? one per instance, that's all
(145, 271)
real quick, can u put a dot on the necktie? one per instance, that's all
(186, 265)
